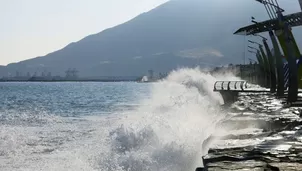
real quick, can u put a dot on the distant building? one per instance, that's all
(72, 74)
(49, 75)
(151, 74)
(18, 74)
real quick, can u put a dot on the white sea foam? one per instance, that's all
(166, 132)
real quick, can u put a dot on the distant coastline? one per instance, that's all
(243, 71)
(68, 81)
(62, 79)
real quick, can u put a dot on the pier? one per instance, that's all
(278, 71)
(230, 90)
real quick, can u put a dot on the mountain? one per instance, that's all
(176, 34)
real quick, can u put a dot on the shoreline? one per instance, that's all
(1, 81)
(279, 144)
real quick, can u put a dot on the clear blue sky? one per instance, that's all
(31, 28)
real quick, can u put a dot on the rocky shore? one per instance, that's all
(262, 134)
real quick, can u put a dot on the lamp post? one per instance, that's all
(252, 47)
(259, 78)
(277, 64)
(260, 36)
(252, 60)
(289, 48)
(254, 74)
(264, 63)
(254, 42)
(270, 63)
(260, 54)
(266, 2)
(257, 68)
(252, 52)
(257, 53)
(276, 60)
(271, 8)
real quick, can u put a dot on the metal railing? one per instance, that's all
(286, 73)
(230, 85)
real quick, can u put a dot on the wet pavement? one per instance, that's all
(261, 134)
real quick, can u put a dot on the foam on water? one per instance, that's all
(166, 132)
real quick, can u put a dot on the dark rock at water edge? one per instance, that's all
(280, 147)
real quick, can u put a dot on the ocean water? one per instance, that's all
(159, 126)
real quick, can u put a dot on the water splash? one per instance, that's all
(171, 130)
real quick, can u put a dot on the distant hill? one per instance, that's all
(176, 34)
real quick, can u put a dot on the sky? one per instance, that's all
(31, 28)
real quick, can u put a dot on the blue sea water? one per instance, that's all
(71, 98)
(109, 126)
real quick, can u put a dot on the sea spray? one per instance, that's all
(168, 130)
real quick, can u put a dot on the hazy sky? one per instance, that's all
(31, 28)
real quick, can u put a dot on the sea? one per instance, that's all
(119, 126)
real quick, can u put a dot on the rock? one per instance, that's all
(279, 147)
(287, 166)
(296, 112)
